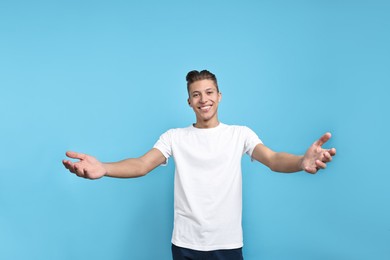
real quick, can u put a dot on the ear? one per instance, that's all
(219, 97)
(189, 102)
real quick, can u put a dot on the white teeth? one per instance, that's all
(205, 108)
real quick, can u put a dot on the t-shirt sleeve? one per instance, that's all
(251, 140)
(164, 144)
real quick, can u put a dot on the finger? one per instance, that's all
(323, 139)
(65, 163)
(327, 157)
(311, 170)
(332, 151)
(320, 164)
(75, 155)
(78, 171)
(68, 165)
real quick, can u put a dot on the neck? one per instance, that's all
(206, 124)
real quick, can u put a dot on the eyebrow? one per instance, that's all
(197, 91)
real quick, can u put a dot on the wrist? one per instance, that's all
(106, 168)
(300, 163)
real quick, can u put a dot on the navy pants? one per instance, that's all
(180, 253)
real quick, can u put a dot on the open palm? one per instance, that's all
(316, 157)
(87, 166)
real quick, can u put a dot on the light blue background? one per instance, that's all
(108, 77)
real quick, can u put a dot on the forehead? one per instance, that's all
(202, 85)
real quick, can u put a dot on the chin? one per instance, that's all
(206, 118)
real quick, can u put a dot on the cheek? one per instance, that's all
(192, 101)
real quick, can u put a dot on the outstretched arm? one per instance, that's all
(314, 159)
(89, 167)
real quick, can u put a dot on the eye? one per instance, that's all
(210, 92)
(195, 95)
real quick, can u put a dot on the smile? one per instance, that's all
(205, 108)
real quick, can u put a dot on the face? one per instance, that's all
(204, 98)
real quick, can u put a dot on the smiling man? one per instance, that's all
(208, 178)
(204, 97)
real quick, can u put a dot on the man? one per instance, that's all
(208, 181)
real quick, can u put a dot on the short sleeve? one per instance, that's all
(251, 140)
(164, 145)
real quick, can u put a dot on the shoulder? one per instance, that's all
(240, 128)
(176, 131)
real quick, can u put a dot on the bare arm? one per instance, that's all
(314, 159)
(89, 167)
(135, 167)
(277, 161)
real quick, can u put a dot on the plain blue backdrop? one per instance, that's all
(108, 77)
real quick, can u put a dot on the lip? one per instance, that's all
(205, 108)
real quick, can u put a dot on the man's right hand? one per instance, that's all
(87, 167)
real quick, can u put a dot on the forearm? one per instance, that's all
(135, 167)
(285, 162)
(129, 168)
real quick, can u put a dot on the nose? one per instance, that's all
(203, 99)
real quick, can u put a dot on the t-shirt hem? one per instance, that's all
(156, 146)
(208, 248)
(251, 152)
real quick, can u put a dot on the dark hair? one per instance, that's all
(195, 75)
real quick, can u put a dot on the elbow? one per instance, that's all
(273, 167)
(135, 168)
(142, 170)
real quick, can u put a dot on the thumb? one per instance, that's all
(323, 139)
(75, 155)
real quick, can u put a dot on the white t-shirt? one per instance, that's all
(208, 184)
